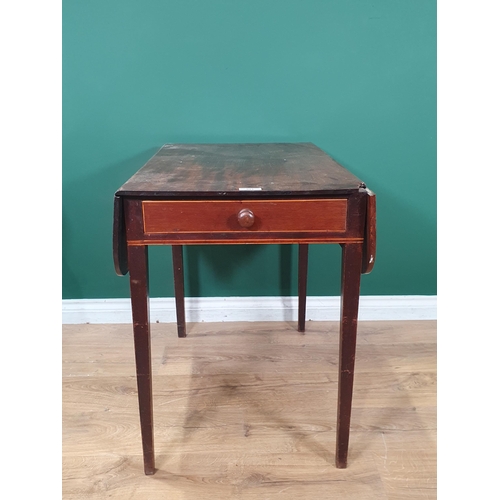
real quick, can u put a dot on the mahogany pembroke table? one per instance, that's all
(216, 194)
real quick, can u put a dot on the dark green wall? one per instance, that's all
(355, 77)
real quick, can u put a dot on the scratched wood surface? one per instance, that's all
(247, 411)
(240, 169)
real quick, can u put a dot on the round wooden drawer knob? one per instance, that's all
(246, 218)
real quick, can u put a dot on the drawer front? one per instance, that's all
(244, 217)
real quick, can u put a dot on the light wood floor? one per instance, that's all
(248, 411)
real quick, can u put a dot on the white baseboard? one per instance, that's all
(220, 309)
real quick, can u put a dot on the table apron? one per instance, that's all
(234, 240)
(188, 222)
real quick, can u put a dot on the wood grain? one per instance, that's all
(370, 242)
(139, 295)
(349, 302)
(244, 172)
(325, 216)
(178, 271)
(302, 285)
(247, 411)
(119, 238)
(252, 170)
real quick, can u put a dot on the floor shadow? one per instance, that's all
(231, 388)
(396, 412)
(244, 388)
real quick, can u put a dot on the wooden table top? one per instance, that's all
(240, 170)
